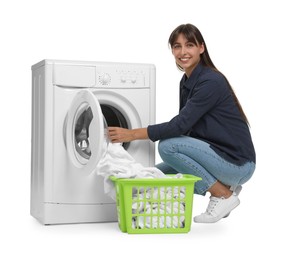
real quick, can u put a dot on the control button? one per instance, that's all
(123, 79)
(133, 79)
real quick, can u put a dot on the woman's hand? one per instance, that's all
(120, 135)
(124, 135)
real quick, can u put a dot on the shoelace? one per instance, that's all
(212, 204)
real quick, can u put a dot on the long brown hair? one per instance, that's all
(192, 34)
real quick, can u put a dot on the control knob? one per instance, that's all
(105, 79)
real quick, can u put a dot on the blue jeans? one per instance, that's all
(192, 156)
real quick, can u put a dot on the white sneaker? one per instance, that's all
(217, 209)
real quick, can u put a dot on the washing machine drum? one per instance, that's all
(86, 132)
(114, 117)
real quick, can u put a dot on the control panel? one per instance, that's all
(122, 77)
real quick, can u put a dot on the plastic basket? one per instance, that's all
(154, 205)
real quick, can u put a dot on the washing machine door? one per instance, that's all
(85, 132)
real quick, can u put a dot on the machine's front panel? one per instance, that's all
(123, 95)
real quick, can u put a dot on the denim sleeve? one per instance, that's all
(205, 96)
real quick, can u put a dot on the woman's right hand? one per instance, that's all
(124, 135)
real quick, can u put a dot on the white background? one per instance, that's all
(243, 38)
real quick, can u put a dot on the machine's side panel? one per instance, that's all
(37, 143)
(48, 136)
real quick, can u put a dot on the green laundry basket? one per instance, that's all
(155, 205)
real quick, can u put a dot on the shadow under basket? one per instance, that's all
(155, 205)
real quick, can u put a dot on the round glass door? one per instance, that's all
(86, 131)
(82, 124)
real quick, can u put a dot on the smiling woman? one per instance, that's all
(209, 137)
(191, 38)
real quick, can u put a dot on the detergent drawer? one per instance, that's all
(74, 76)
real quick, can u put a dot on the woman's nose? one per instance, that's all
(183, 50)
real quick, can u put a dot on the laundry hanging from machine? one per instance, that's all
(118, 162)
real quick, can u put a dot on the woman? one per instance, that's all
(210, 137)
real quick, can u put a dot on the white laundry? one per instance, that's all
(156, 207)
(152, 207)
(118, 162)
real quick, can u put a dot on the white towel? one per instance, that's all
(118, 162)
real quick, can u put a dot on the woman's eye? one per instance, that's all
(176, 46)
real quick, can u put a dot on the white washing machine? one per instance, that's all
(72, 104)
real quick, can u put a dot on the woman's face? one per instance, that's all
(187, 54)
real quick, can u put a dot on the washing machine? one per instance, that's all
(73, 103)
